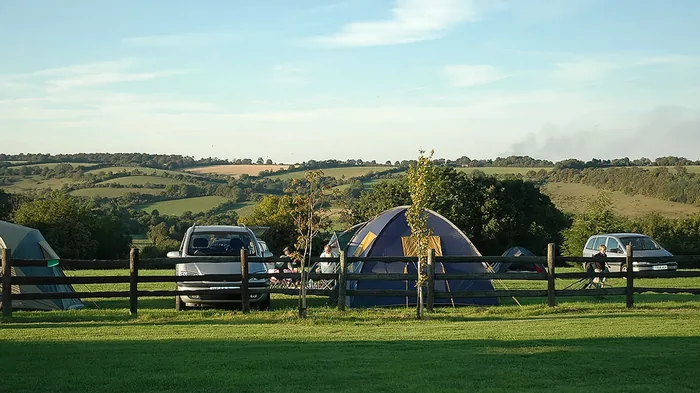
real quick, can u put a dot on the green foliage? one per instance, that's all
(310, 214)
(419, 178)
(598, 218)
(75, 228)
(676, 185)
(276, 213)
(494, 213)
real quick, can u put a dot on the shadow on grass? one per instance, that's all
(332, 364)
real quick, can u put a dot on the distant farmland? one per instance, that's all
(148, 171)
(179, 206)
(574, 198)
(142, 180)
(237, 170)
(108, 192)
(347, 172)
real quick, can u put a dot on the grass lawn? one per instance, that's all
(107, 192)
(142, 180)
(574, 197)
(348, 172)
(180, 206)
(579, 346)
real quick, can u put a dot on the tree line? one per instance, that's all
(680, 236)
(671, 184)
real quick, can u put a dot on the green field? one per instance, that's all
(348, 172)
(53, 164)
(148, 171)
(245, 208)
(107, 192)
(574, 198)
(33, 183)
(142, 180)
(579, 346)
(180, 206)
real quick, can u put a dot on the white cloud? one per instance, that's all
(411, 21)
(290, 74)
(86, 75)
(99, 79)
(181, 39)
(472, 75)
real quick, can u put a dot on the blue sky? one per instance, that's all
(371, 79)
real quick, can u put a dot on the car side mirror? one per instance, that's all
(173, 254)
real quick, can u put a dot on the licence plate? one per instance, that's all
(659, 267)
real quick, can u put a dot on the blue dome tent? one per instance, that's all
(388, 236)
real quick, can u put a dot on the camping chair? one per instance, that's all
(281, 283)
(324, 283)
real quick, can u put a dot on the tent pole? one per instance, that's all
(447, 284)
(489, 268)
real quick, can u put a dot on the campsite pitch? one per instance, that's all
(578, 347)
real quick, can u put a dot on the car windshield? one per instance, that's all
(640, 243)
(220, 243)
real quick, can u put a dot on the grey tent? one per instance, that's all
(503, 267)
(28, 243)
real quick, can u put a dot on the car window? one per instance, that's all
(591, 242)
(640, 243)
(599, 241)
(613, 244)
(221, 243)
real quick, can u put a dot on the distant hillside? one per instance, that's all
(574, 197)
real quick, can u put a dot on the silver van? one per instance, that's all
(642, 246)
(219, 241)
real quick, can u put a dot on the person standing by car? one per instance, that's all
(600, 267)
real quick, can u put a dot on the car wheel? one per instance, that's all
(180, 304)
(264, 305)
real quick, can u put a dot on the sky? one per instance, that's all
(370, 79)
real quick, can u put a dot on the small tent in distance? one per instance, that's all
(504, 267)
(28, 243)
(388, 235)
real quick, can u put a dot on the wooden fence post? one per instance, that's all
(342, 281)
(630, 277)
(551, 299)
(133, 281)
(431, 279)
(6, 282)
(419, 293)
(245, 296)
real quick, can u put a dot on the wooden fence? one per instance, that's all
(343, 276)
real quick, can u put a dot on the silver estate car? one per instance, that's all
(219, 240)
(642, 246)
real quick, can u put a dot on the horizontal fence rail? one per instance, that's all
(247, 283)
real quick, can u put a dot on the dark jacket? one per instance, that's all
(600, 265)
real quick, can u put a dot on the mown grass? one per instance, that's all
(180, 206)
(578, 346)
(575, 197)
